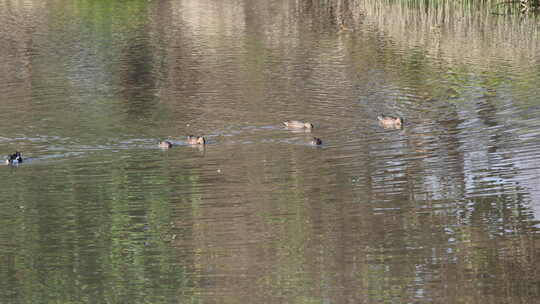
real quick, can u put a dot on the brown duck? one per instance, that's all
(390, 122)
(296, 124)
(165, 144)
(196, 140)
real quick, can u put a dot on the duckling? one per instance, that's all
(316, 141)
(196, 140)
(390, 122)
(295, 124)
(14, 158)
(165, 144)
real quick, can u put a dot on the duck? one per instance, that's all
(14, 158)
(296, 124)
(390, 122)
(316, 141)
(165, 144)
(344, 28)
(196, 140)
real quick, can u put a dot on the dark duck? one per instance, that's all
(14, 158)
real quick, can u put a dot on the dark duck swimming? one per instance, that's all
(14, 158)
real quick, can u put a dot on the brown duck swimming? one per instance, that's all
(296, 124)
(390, 122)
(165, 144)
(196, 140)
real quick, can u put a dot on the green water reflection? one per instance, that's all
(93, 235)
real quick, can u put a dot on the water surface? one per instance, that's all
(445, 210)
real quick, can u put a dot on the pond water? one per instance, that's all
(445, 210)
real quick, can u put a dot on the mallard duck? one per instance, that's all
(295, 124)
(14, 158)
(165, 144)
(390, 122)
(316, 141)
(196, 140)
